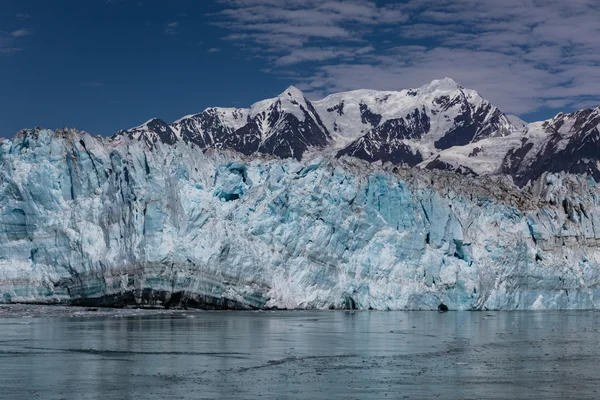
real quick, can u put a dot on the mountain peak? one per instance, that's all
(441, 85)
(152, 131)
(292, 92)
(152, 122)
(441, 114)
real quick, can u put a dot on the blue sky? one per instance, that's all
(105, 65)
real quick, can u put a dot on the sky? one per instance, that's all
(105, 65)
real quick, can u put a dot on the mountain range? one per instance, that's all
(440, 125)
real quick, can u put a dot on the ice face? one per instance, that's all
(93, 221)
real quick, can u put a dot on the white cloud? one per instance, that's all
(11, 42)
(523, 55)
(21, 33)
(7, 45)
(284, 23)
(321, 54)
(171, 27)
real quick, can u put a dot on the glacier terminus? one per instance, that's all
(362, 200)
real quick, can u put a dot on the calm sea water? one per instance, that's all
(299, 355)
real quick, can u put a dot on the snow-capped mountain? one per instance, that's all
(565, 143)
(408, 126)
(210, 127)
(285, 126)
(404, 127)
(440, 125)
(151, 132)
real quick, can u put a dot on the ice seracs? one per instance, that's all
(93, 221)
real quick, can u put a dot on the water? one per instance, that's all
(298, 355)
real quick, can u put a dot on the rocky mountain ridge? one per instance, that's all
(437, 126)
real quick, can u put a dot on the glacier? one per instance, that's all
(96, 221)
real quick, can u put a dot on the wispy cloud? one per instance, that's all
(11, 42)
(295, 23)
(7, 45)
(21, 33)
(301, 55)
(523, 55)
(23, 16)
(214, 50)
(171, 28)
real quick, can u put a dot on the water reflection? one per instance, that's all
(302, 355)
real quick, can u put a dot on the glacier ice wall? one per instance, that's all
(85, 220)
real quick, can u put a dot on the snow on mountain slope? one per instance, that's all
(210, 127)
(285, 126)
(288, 125)
(567, 142)
(403, 127)
(448, 107)
(291, 101)
(151, 132)
(484, 157)
(517, 122)
(409, 126)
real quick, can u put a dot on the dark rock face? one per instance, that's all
(204, 130)
(372, 150)
(471, 125)
(289, 125)
(339, 108)
(163, 131)
(276, 130)
(152, 132)
(190, 134)
(292, 137)
(368, 117)
(575, 151)
(414, 126)
(580, 156)
(384, 142)
(246, 140)
(441, 165)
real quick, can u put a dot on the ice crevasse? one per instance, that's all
(87, 220)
